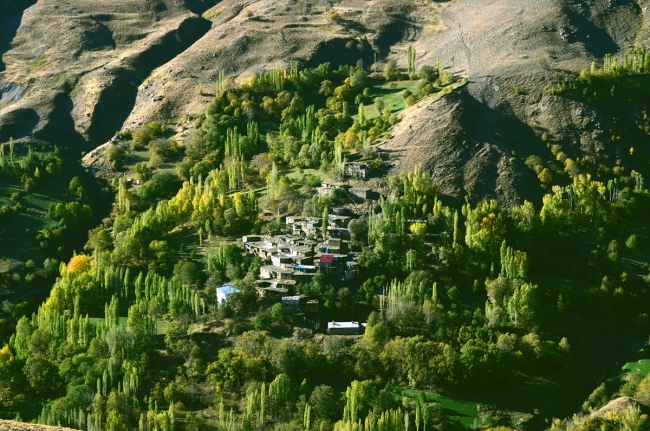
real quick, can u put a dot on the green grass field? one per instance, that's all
(457, 410)
(392, 93)
(18, 232)
(641, 363)
(143, 156)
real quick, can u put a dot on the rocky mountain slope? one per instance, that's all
(78, 72)
(69, 71)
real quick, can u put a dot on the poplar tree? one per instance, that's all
(410, 59)
(220, 84)
(325, 220)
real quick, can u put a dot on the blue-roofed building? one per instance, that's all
(224, 292)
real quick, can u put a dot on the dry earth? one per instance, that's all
(77, 72)
(20, 426)
(474, 142)
(71, 69)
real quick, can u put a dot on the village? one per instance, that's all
(308, 247)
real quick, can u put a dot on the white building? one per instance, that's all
(224, 292)
(345, 328)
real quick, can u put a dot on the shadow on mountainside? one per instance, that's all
(18, 124)
(59, 129)
(117, 100)
(10, 19)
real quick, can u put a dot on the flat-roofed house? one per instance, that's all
(325, 262)
(357, 170)
(266, 289)
(224, 292)
(338, 232)
(333, 246)
(275, 272)
(282, 260)
(325, 189)
(293, 219)
(345, 328)
(360, 192)
(304, 273)
(338, 220)
(291, 303)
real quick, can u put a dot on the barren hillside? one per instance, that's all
(69, 71)
(100, 67)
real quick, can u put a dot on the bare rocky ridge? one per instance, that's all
(508, 47)
(98, 68)
(277, 32)
(71, 70)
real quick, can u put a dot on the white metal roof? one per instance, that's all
(342, 325)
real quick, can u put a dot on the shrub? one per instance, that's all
(333, 15)
(142, 171)
(533, 161)
(545, 176)
(156, 129)
(164, 148)
(391, 72)
(116, 156)
(428, 73)
(136, 146)
(379, 104)
(445, 78)
(162, 185)
(125, 134)
(141, 138)
(30, 184)
(187, 273)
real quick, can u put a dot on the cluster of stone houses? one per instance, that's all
(337, 225)
(294, 258)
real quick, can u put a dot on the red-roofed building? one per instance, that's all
(326, 261)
